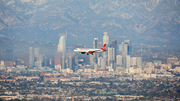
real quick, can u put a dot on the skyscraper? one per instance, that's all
(105, 41)
(62, 45)
(9, 57)
(106, 38)
(95, 43)
(129, 46)
(139, 60)
(133, 61)
(70, 62)
(62, 49)
(114, 45)
(128, 61)
(125, 48)
(57, 60)
(36, 54)
(95, 46)
(63, 65)
(125, 51)
(111, 56)
(99, 61)
(31, 57)
(76, 63)
(119, 60)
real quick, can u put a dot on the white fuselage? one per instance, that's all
(87, 50)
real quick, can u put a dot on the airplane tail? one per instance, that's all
(103, 48)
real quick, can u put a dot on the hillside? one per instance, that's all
(46, 20)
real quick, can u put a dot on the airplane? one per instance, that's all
(90, 51)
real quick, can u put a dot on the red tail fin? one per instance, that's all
(104, 45)
(103, 48)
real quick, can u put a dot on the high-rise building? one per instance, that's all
(105, 41)
(139, 60)
(62, 49)
(36, 54)
(128, 61)
(76, 63)
(95, 46)
(133, 61)
(125, 48)
(57, 60)
(95, 43)
(124, 62)
(92, 59)
(9, 54)
(70, 62)
(114, 45)
(125, 51)
(63, 64)
(103, 62)
(129, 46)
(31, 57)
(111, 56)
(99, 61)
(119, 60)
(9, 57)
(99, 45)
(62, 45)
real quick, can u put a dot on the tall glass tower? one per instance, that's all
(62, 49)
(62, 45)
(105, 39)
(31, 57)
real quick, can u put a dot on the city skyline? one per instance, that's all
(78, 50)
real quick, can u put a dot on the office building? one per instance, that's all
(95, 43)
(70, 62)
(31, 57)
(57, 60)
(133, 61)
(111, 55)
(36, 53)
(62, 49)
(119, 60)
(100, 45)
(9, 57)
(128, 61)
(105, 41)
(114, 45)
(99, 61)
(103, 62)
(63, 64)
(129, 46)
(125, 48)
(95, 46)
(76, 63)
(62, 45)
(139, 60)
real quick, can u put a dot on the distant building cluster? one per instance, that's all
(117, 59)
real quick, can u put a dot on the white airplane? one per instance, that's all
(90, 51)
